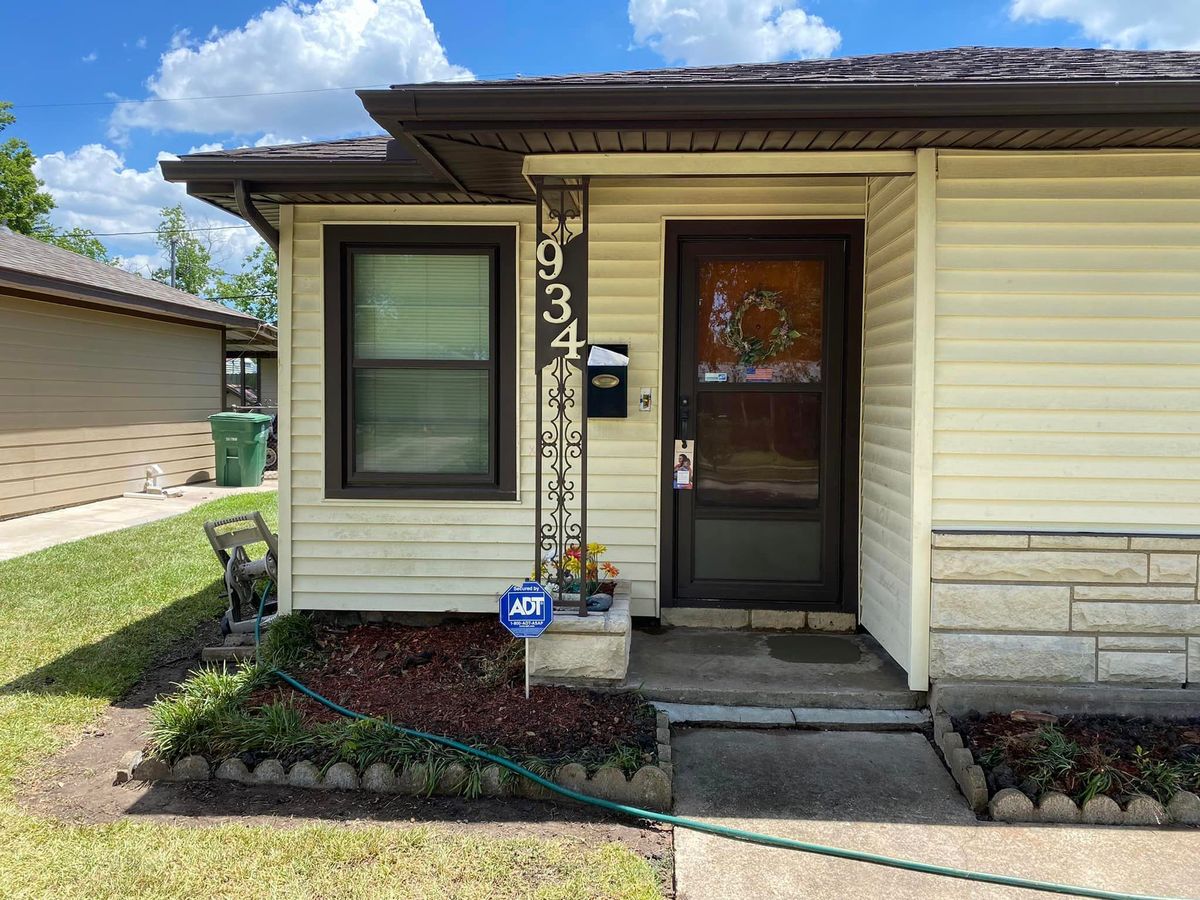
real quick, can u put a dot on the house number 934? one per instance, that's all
(550, 256)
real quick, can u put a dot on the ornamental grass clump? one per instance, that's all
(288, 641)
(206, 706)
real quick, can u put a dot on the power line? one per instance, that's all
(239, 297)
(361, 87)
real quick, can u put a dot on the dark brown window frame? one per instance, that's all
(341, 242)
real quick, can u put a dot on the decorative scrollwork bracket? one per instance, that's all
(560, 344)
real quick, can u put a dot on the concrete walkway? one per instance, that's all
(29, 533)
(886, 794)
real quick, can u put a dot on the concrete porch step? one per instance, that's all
(227, 654)
(801, 717)
(782, 670)
(786, 698)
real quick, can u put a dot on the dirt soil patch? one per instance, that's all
(1087, 755)
(464, 680)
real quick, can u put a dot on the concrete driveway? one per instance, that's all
(58, 526)
(883, 793)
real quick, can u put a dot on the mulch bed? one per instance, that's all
(464, 680)
(1116, 752)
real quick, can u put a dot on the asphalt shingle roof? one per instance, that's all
(960, 64)
(364, 149)
(21, 255)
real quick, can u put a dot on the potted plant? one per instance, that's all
(568, 577)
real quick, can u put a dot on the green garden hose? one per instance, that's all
(737, 834)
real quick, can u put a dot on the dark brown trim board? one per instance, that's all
(849, 231)
(341, 242)
(221, 379)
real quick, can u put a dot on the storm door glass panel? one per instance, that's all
(760, 320)
(422, 306)
(758, 449)
(762, 550)
(421, 421)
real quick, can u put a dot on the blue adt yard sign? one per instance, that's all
(526, 610)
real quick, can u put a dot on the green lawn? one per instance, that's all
(80, 623)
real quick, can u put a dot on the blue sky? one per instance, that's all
(99, 159)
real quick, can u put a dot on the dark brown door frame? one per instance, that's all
(849, 230)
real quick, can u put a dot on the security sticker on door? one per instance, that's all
(683, 465)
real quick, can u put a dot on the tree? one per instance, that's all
(195, 271)
(255, 289)
(25, 207)
(23, 204)
(77, 240)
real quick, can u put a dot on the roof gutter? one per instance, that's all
(248, 211)
(464, 105)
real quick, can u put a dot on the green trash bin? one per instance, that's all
(241, 440)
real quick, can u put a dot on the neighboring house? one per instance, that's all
(981, 445)
(103, 374)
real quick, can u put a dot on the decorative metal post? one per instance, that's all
(560, 347)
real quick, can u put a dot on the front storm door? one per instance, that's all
(758, 420)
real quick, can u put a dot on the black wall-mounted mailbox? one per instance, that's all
(608, 385)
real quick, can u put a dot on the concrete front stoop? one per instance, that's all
(592, 648)
(780, 670)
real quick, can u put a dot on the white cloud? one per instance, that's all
(1147, 24)
(94, 189)
(710, 32)
(292, 47)
(140, 43)
(90, 58)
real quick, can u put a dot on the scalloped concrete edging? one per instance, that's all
(1012, 805)
(649, 788)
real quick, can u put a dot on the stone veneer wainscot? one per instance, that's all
(1064, 608)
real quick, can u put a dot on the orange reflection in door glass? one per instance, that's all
(725, 285)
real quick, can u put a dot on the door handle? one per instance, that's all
(685, 416)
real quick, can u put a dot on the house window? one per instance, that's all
(420, 354)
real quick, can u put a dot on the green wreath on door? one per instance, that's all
(754, 350)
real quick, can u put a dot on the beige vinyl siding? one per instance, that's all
(885, 595)
(1067, 326)
(88, 399)
(420, 555)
